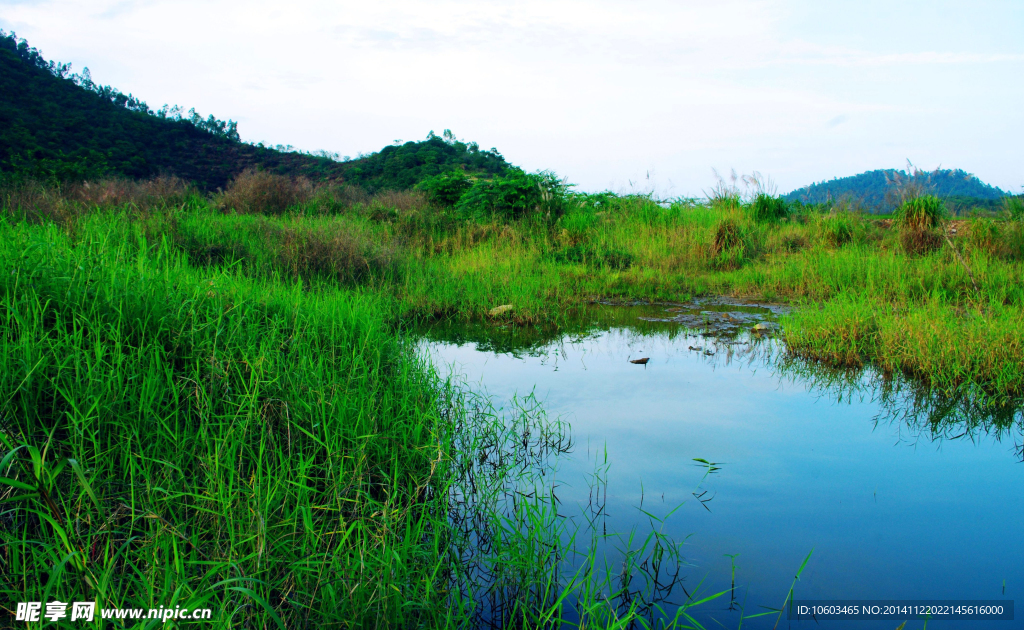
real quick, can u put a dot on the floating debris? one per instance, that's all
(498, 310)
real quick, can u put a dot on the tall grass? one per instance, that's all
(177, 436)
(202, 407)
(202, 436)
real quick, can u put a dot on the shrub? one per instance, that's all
(262, 192)
(917, 240)
(727, 236)
(514, 196)
(1014, 239)
(792, 241)
(768, 209)
(727, 247)
(445, 189)
(919, 213)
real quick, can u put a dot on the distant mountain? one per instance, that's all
(877, 190)
(55, 125)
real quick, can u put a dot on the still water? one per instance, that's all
(895, 495)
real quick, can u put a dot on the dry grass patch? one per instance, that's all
(262, 192)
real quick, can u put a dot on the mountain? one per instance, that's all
(59, 126)
(877, 190)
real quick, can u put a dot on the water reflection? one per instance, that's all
(903, 401)
(900, 492)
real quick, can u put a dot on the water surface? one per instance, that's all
(898, 494)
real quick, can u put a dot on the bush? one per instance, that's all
(1014, 239)
(727, 236)
(919, 240)
(445, 189)
(261, 192)
(727, 247)
(345, 256)
(514, 196)
(919, 213)
(768, 209)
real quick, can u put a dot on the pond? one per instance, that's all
(894, 494)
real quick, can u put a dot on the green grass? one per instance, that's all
(245, 439)
(203, 408)
(903, 289)
(178, 436)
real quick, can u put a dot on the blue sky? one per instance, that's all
(645, 95)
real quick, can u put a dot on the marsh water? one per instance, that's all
(894, 493)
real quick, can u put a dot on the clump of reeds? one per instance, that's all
(765, 205)
(836, 228)
(987, 236)
(1014, 207)
(727, 244)
(724, 195)
(918, 220)
(62, 203)
(256, 191)
(919, 213)
(766, 208)
(343, 255)
(391, 205)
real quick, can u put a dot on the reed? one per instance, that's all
(212, 408)
(195, 435)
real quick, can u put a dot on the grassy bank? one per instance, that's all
(176, 436)
(206, 407)
(940, 301)
(236, 436)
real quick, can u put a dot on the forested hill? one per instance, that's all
(55, 125)
(876, 190)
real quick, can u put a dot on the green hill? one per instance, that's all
(55, 125)
(877, 190)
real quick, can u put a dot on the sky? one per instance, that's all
(630, 96)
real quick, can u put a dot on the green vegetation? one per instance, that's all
(57, 126)
(210, 409)
(881, 190)
(884, 291)
(401, 167)
(200, 436)
(1014, 207)
(206, 399)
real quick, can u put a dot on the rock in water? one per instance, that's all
(642, 361)
(761, 327)
(498, 310)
